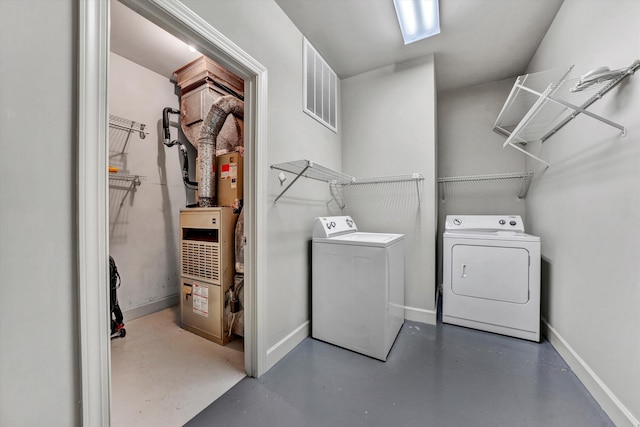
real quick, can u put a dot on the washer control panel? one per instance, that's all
(331, 226)
(484, 222)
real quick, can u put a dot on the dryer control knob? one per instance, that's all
(513, 223)
(502, 222)
(457, 221)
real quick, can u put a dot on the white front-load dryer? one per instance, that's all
(491, 275)
(357, 297)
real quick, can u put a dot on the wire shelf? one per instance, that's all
(388, 179)
(485, 185)
(337, 180)
(127, 125)
(309, 169)
(125, 181)
(136, 179)
(541, 103)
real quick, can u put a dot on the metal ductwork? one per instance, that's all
(211, 117)
(207, 149)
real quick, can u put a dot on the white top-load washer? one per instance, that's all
(491, 275)
(357, 298)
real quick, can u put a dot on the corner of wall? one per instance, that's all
(614, 408)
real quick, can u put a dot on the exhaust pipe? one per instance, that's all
(165, 125)
(183, 149)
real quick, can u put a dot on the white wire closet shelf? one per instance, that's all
(480, 185)
(541, 103)
(127, 181)
(338, 180)
(127, 125)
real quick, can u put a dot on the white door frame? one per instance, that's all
(93, 290)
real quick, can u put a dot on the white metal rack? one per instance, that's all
(541, 103)
(127, 126)
(129, 182)
(479, 185)
(338, 180)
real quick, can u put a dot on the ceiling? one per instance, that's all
(141, 41)
(480, 40)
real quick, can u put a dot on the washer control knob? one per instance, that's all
(502, 222)
(457, 221)
(513, 223)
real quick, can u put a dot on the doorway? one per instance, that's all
(92, 185)
(160, 90)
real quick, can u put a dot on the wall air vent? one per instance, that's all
(320, 88)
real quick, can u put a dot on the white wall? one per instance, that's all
(467, 146)
(585, 207)
(143, 231)
(39, 376)
(38, 327)
(388, 118)
(263, 30)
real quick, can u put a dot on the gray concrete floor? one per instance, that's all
(435, 376)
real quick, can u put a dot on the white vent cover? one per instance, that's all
(320, 88)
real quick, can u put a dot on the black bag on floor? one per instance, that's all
(117, 327)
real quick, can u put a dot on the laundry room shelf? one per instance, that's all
(506, 183)
(338, 180)
(126, 181)
(127, 127)
(541, 103)
(309, 169)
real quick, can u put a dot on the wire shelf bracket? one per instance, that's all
(338, 180)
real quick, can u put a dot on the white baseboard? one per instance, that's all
(286, 344)
(152, 307)
(618, 413)
(420, 315)
(295, 337)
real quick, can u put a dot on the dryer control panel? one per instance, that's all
(484, 222)
(332, 226)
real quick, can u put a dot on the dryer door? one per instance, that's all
(490, 272)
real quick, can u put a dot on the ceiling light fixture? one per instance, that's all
(418, 19)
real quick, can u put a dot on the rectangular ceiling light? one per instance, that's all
(418, 19)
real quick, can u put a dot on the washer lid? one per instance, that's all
(363, 239)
